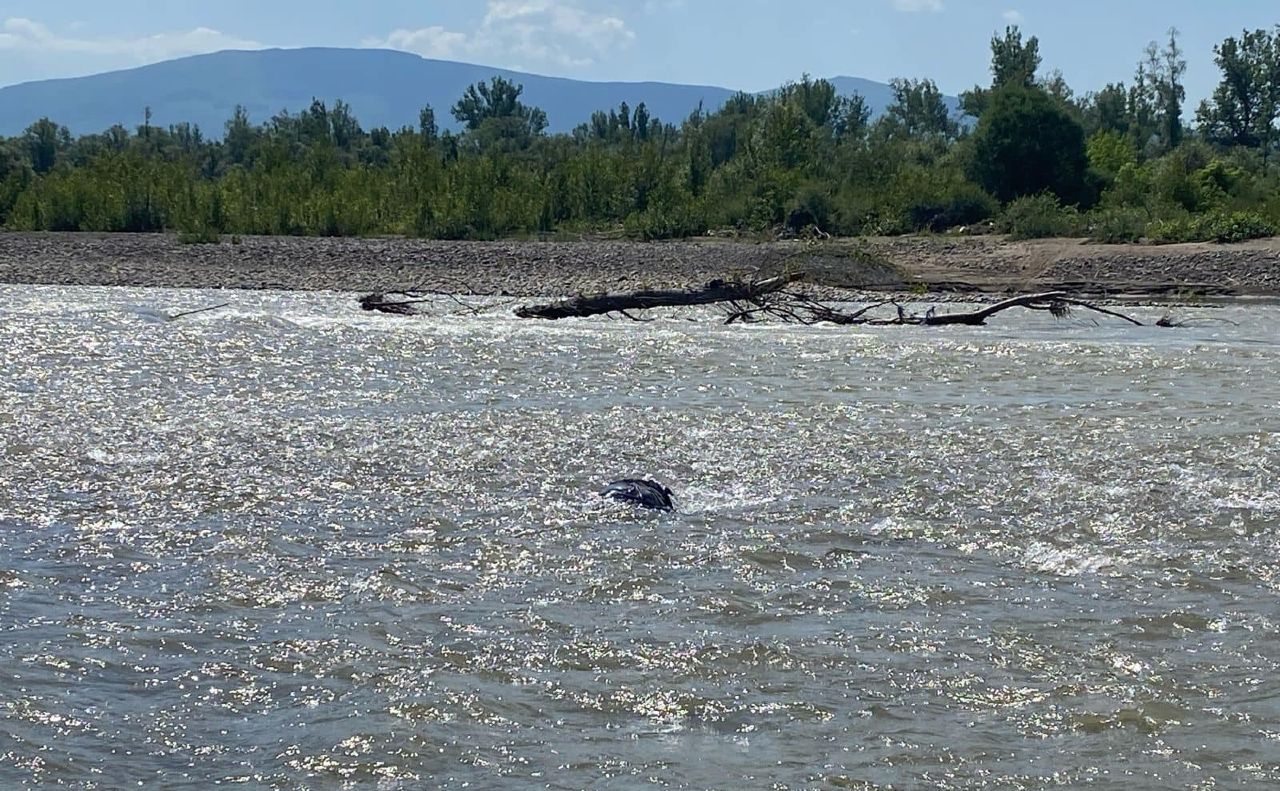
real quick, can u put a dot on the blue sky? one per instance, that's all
(748, 44)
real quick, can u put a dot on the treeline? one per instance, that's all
(1027, 156)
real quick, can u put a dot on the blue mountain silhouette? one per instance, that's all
(383, 87)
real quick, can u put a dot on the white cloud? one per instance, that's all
(548, 32)
(24, 35)
(916, 6)
(1013, 16)
(433, 42)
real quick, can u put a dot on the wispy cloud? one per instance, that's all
(543, 32)
(25, 35)
(918, 6)
(1014, 16)
(434, 42)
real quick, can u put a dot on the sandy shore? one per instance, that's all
(519, 268)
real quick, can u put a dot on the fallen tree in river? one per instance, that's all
(771, 298)
(754, 300)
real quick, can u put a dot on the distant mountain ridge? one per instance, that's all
(383, 87)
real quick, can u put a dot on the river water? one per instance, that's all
(286, 544)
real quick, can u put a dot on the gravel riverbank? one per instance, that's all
(537, 268)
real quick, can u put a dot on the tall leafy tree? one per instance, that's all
(1155, 100)
(427, 126)
(344, 129)
(1107, 110)
(1025, 144)
(1014, 62)
(499, 99)
(817, 99)
(918, 111)
(1245, 107)
(855, 118)
(1171, 67)
(642, 122)
(45, 141)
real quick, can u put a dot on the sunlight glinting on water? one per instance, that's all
(289, 543)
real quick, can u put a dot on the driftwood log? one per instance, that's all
(383, 303)
(716, 291)
(749, 301)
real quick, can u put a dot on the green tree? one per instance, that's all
(1171, 68)
(344, 129)
(1107, 110)
(642, 123)
(817, 99)
(785, 136)
(499, 99)
(45, 141)
(1245, 107)
(1155, 101)
(918, 111)
(313, 125)
(1055, 84)
(1110, 152)
(427, 127)
(239, 136)
(855, 118)
(1014, 62)
(1025, 144)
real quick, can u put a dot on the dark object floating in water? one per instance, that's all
(196, 312)
(646, 494)
(383, 304)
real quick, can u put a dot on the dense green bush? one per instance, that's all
(1174, 179)
(1025, 144)
(1172, 230)
(1217, 226)
(1270, 210)
(920, 198)
(1116, 225)
(1226, 227)
(1109, 153)
(811, 207)
(961, 204)
(1037, 217)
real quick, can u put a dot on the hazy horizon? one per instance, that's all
(477, 64)
(746, 46)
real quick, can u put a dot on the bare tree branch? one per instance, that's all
(177, 316)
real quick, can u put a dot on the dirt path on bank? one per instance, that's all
(975, 265)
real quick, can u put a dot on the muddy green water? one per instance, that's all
(289, 545)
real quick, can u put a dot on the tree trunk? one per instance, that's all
(713, 292)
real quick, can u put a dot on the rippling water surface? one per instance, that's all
(286, 544)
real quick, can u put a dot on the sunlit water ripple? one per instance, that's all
(287, 544)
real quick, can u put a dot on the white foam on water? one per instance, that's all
(741, 497)
(1265, 502)
(1068, 561)
(123, 458)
